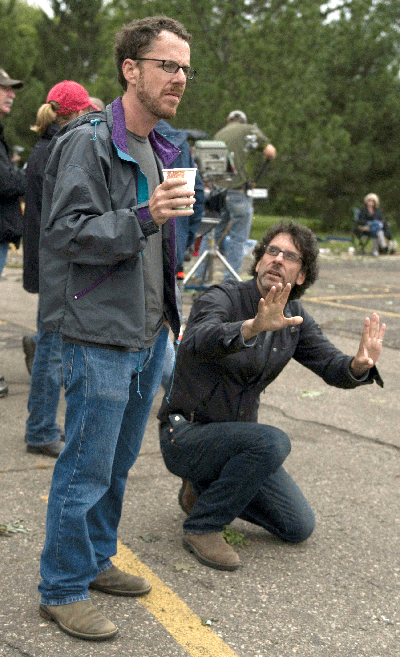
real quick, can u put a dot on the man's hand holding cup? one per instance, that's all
(174, 197)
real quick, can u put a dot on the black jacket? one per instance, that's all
(219, 379)
(33, 207)
(12, 186)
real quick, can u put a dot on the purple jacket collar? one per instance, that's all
(166, 151)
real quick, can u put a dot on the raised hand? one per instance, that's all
(270, 315)
(370, 346)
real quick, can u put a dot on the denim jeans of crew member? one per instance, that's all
(169, 362)
(45, 389)
(185, 233)
(236, 470)
(109, 396)
(239, 212)
(3, 255)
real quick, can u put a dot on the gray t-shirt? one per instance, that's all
(140, 150)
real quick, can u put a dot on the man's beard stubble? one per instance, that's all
(153, 105)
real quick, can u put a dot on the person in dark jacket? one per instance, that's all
(65, 101)
(107, 285)
(239, 337)
(187, 228)
(12, 185)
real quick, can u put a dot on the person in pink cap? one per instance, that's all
(66, 101)
(69, 98)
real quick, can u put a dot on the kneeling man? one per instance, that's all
(239, 337)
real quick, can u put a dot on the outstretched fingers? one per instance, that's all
(278, 294)
(373, 330)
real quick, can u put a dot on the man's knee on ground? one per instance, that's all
(301, 529)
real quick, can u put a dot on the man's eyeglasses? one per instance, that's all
(170, 67)
(290, 256)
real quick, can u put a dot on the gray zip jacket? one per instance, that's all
(94, 226)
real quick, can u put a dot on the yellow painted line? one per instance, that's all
(177, 618)
(323, 302)
(354, 296)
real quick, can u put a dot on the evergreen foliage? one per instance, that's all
(322, 84)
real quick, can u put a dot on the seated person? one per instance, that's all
(239, 337)
(371, 220)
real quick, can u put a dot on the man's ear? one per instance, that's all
(301, 277)
(130, 71)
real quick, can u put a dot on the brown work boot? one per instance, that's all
(116, 582)
(187, 498)
(212, 550)
(80, 619)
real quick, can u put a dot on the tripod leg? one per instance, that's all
(196, 266)
(227, 265)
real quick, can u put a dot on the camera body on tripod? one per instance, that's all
(211, 157)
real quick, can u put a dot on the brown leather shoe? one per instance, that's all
(187, 498)
(212, 550)
(116, 582)
(52, 449)
(80, 619)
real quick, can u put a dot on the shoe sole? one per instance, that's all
(208, 562)
(125, 594)
(80, 635)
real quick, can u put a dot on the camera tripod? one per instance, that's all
(211, 253)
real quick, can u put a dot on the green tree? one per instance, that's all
(323, 85)
(362, 75)
(69, 41)
(18, 23)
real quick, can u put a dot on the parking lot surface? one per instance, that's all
(336, 595)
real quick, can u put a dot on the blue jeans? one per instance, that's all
(186, 228)
(3, 255)
(109, 396)
(236, 470)
(169, 362)
(44, 393)
(239, 212)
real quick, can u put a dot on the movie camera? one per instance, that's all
(216, 168)
(214, 163)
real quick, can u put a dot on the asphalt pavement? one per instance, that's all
(336, 595)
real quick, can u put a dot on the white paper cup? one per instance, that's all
(189, 175)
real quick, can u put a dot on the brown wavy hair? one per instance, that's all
(304, 240)
(135, 39)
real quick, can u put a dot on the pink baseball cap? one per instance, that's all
(71, 97)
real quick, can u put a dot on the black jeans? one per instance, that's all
(236, 470)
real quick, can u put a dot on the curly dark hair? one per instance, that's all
(135, 39)
(304, 240)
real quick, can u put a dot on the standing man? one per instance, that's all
(12, 184)
(239, 337)
(107, 285)
(243, 141)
